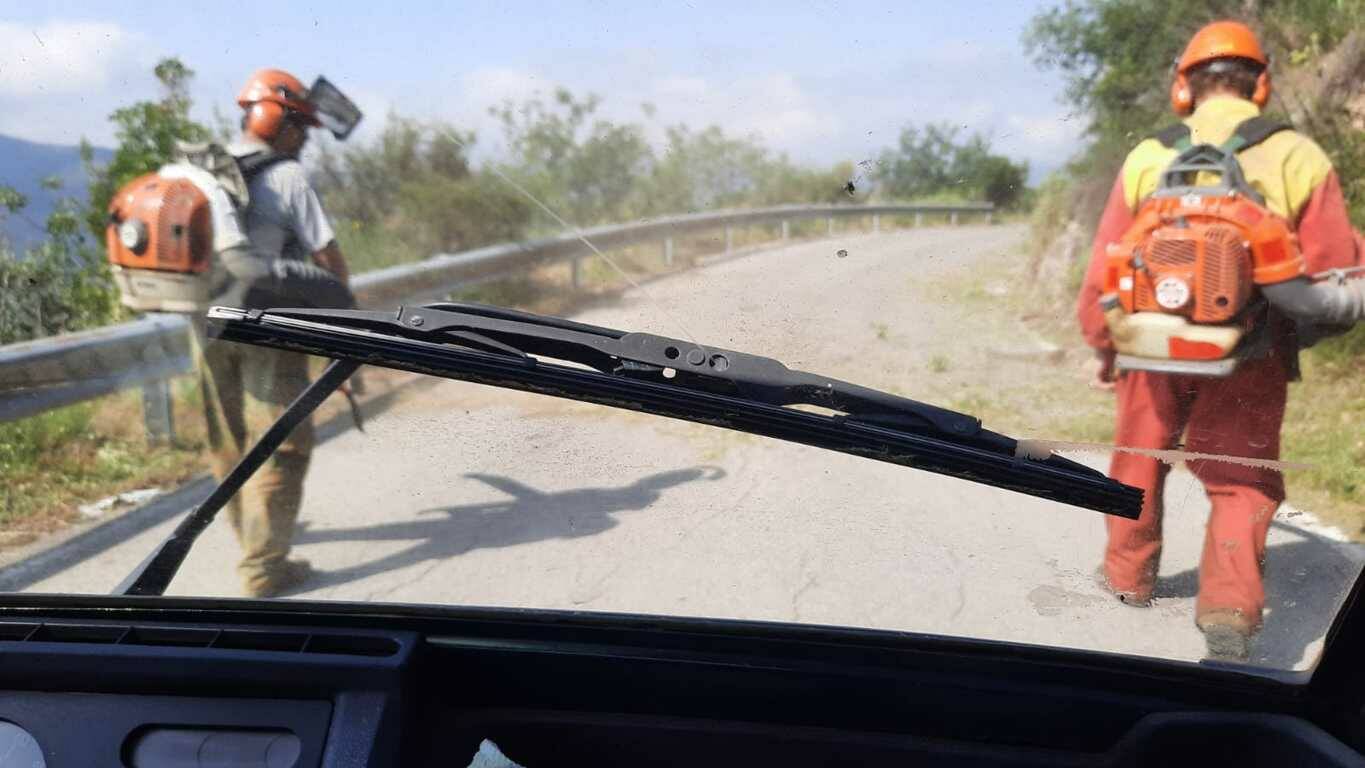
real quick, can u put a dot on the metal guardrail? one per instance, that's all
(40, 375)
(37, 376)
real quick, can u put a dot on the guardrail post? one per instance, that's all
(786, 230)
(830, 226)
(156, 411)
(576, 273)
(876, 223)
(952, 220)
(729, 238)
(668, 251)
(989, 216)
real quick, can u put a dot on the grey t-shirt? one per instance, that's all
(285, 217)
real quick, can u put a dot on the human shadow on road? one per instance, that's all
(530, 515)
(1305, 582)
(1183, 584)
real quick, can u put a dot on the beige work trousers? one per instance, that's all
(245, 389)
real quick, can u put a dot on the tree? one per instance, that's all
(935, 160)
(60, 285)
(147, 133)
(360, 182)
(412, 192)
(707, 169)
(63, 283)
(583, 167)
(921, 163)
(1116, 54)
(1000, 181)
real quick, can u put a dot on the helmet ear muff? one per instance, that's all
(1182, 100)
(264, 119)
(1261, 96)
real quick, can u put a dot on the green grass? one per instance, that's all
(23, 443)
(1325, 428)
(55, 461)
(939, 364)
(1342, 356)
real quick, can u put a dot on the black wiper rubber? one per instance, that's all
(678, 379)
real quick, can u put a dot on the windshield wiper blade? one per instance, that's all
(635, 371)
(681, 379)
(639, 355)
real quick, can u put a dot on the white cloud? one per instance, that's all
(774, 107)
(59, 80)
(682, 88)
(492, 86)
(1045, 140)
(958, 52)
(1052, 130)
(61, 57)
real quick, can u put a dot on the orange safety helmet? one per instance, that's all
(269, 97)
(1219, 40)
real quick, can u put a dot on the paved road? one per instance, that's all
(470, 495)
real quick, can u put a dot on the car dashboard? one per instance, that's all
(170, 683)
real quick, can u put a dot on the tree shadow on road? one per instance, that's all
(529, 516)
(1305, 582)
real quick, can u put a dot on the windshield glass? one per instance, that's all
(1037, 221)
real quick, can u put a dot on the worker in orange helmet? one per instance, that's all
(294, 253)
(1220, 82)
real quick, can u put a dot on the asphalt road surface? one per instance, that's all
(461, 494)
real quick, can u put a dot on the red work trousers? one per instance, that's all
(1235, 416)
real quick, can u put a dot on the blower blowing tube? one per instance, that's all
(1329, 302)
(259, 282)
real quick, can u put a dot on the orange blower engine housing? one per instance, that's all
(159, 239)
(1187, 269)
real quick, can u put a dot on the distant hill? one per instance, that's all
(23, 165)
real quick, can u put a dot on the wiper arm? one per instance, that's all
(640, 372)
(154, 574)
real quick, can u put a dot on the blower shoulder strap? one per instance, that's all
(256, 163)
(1174, 136)
(1253, 131)
(1247, 134)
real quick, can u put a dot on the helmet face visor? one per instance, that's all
(335, 111)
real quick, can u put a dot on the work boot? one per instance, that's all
(1227, 636)
(1132, 599)
(279, 579)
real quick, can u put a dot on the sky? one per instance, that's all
(823, 82)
